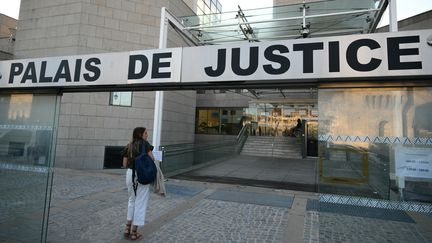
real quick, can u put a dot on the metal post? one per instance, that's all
(158, 109)
(393, 23)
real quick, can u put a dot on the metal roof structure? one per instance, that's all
(303, 20)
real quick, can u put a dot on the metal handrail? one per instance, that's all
(274, 137)
(242, 131)
(176, 149)
(242, 137)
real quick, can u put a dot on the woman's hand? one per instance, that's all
(125, 163)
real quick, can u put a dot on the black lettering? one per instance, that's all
(30, 73)
(334, 59)
(394, 53)
(42, 77)
(282, 60)
(352, 55)
(77, 70)
(253, 61)
(92, 68)
(221, 63)
(132, 63)
(156, 64)
(63, 71)
(308, 49)
(16, 69)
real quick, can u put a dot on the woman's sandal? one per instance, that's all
(134, 235)
(127, 231)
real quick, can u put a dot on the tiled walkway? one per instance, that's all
(211, 212)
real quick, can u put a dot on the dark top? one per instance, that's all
(136, 150)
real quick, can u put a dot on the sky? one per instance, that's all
(405, 8)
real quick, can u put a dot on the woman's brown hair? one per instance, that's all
(137, 135)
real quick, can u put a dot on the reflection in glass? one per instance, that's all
(26, 134)
(278, 119)
(208, 121)
(362, 133)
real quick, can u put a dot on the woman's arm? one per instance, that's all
(125, 162)
(150, 153)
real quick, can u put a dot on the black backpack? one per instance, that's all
(145, 168)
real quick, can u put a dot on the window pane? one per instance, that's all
(121, 98)
(201, 121)
(207, 121)
(213, 121)
(232, 120)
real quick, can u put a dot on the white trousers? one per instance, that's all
(137, 205)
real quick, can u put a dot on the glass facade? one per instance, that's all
(376, 142)
(27, 131)
(226, 121)
(273, 119)
(266, 119)
(320, 18)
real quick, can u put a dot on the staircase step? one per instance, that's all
(281, 147)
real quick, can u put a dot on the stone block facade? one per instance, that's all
(7, 27)
(87, 121)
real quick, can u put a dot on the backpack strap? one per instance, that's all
(135, 184)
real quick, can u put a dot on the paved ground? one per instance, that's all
(91, 207)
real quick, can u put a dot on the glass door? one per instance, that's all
(27, 135)
(311, 135)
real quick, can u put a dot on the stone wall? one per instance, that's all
(87, 122)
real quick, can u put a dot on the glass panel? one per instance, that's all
(343, 17)
(279, 119)
(375, 150)
(376, 142)
(26, 138)
(208, 121)
(178, 157)
(232, 120)
(312, 138)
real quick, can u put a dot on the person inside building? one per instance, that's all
(299, 124)
(138, 193)
(297, 130)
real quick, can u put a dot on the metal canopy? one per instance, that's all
(303, 20)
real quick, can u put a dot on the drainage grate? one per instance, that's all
(359, 211)
(253, 198)
(183, 190)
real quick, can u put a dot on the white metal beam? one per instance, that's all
(166, 18)
(393, 26)
(158, 109)
(282, 19)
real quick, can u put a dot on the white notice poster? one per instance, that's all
(157, 155)
(414, 162)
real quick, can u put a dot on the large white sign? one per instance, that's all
(351, 56)
(376, 56)
(414, 162)
(124, 68)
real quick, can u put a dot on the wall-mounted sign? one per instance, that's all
(124, 68)
(359, 56)
(414, 162)
(372, 56)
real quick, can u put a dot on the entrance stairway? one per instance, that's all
(267, 146)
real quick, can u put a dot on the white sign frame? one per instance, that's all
(351, 57)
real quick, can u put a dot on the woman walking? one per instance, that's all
(138, 193)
